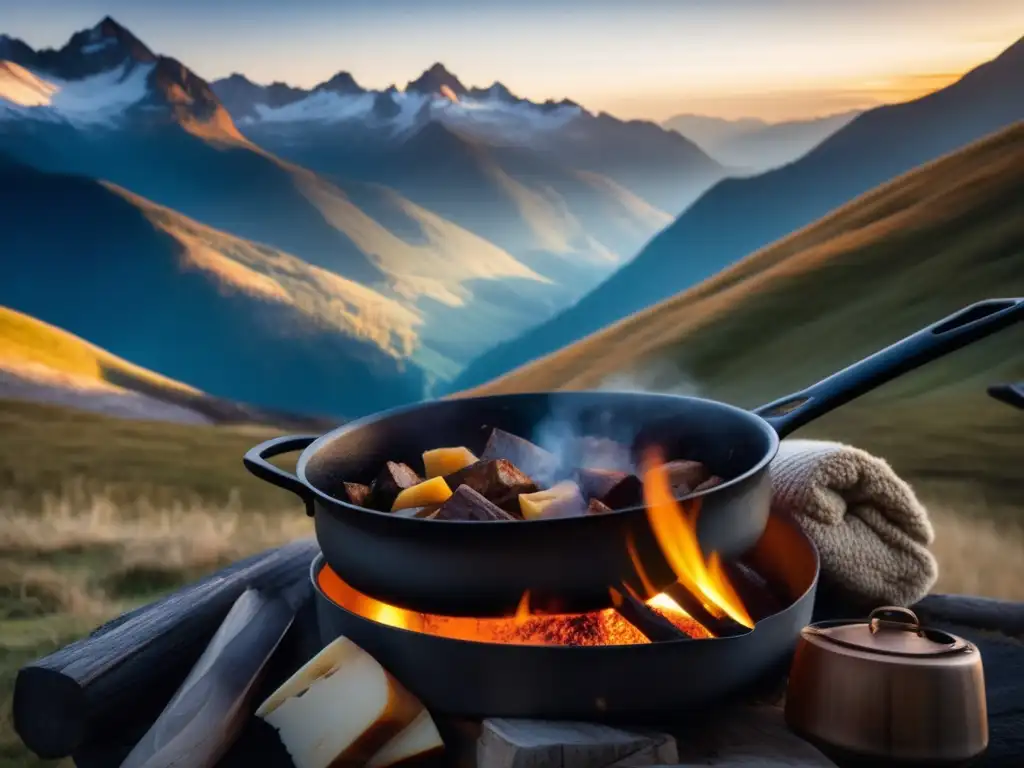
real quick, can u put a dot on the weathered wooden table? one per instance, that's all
(117, 709)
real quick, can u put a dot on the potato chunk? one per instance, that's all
(444, 461)
(432, 491)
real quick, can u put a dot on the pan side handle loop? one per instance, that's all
(970, 324)
(255, 460)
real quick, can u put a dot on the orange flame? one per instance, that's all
(674, 524)
(523, 610)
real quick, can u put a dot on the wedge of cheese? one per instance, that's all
(342, 708)
(418, 742)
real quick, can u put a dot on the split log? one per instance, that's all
(207, 713)
(497, 480)
(651, 624)
(754, 590)
(542, 744)
(980, 612)
(719, 626)
(92, 688)
(530, 458)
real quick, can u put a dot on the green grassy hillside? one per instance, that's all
(906, 254)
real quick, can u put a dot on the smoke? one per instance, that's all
(657, 376)
(604, 438)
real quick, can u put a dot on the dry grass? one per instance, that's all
(71, 562)
(980, 551)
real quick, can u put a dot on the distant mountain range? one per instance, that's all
(340, 127)
(893, 260)
(440, 216)
(750, 145)
(739, 216)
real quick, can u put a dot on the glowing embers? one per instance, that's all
(606, 627)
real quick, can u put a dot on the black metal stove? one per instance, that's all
(640, 681)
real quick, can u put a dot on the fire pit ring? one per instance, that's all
(641, 682)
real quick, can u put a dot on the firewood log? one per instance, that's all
(93, 688)
(208, 711)
(651, 624)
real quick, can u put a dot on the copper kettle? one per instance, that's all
(888, 689)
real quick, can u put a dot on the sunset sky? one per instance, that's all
(775, 59)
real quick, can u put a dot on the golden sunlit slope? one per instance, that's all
(42, 363)
(895, 259)
(40, 350)
(270, 275)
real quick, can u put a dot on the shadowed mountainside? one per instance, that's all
(230, 317)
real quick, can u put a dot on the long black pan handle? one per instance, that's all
(958, 330)
(1011, 394)
(255, 461)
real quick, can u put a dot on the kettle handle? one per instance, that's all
(894, 617)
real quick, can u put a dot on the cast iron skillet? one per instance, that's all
(484, 568)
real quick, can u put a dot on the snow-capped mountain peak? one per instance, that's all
(104, 76)
(437, 95)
